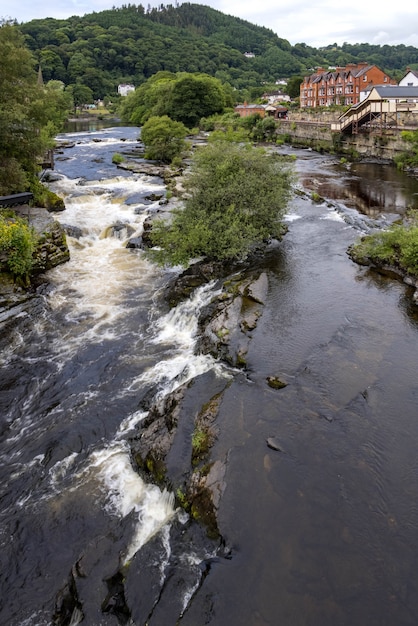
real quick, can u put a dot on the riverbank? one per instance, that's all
(51, 250)
(313, 130)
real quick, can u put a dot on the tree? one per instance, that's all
(238, 195)
(293, 86)
(194, 97)
(163, 138)
(81, 95)
(265, 129)
(26, 109)
(183, 96)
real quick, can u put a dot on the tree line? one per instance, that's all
(130, 44)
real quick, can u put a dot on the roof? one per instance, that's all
(250, 106)
(394, 91)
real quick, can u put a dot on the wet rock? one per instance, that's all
(135, 242)
(72, 231)
(257, 290)
(161, 596)
(227, 322)
(275, 383)
(173, 446)
(52, 248)
(274, 444)
(118, 230)
(154, 197)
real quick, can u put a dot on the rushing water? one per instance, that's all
(321, 533)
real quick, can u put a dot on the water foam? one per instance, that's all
(126, 493)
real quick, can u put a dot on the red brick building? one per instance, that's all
(342, 85)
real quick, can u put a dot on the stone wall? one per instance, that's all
(314, 130)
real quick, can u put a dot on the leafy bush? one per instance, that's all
(396, 246)
(237, 197)
(163, 138)
(17, 244)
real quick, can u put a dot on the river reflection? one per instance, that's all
(371, 188)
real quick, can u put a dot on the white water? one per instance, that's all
(102, 338)
(99, 275)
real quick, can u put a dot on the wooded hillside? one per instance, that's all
(130, 44)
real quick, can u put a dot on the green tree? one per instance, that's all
(265, 129)
(293, 86)
(26, 111)
(81, 95)
(163, 138)
(194, 97)
(237, 197)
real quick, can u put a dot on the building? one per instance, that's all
(341, 85)
(410, 79)
(263, 110)
(380, 111)
(123, 89)
(275, 96)
(245, 110)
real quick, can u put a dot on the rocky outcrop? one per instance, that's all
(175, 445)
(52, 248)
(227, 322)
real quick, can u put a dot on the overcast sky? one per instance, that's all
(315, 22)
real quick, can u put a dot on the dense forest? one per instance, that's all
(130, 44)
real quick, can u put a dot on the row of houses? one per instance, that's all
(341, 85)
(347, 85)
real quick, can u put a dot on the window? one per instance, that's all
(385, 80)
(365, 78)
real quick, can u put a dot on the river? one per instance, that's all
(322, 532)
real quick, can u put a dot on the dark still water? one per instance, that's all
(322, 532)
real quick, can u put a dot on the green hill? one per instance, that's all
(130, 44)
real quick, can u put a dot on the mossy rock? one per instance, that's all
(275, 383)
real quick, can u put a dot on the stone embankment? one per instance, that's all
(313, 130)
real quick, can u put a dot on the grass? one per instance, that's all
(397, 246)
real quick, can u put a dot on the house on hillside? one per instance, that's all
(275, 96)
(124, 89)
(341, 85)
(410, 79)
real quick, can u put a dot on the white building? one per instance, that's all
(410, 79)
(123, 89)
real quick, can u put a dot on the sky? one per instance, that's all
(314, 22)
